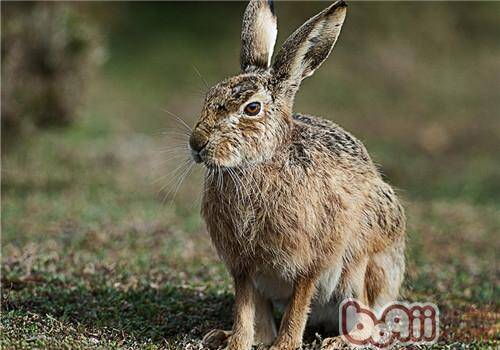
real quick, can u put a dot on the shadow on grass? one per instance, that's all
(143, 313)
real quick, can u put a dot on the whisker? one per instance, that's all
(202, 192)
(172, 172)
(174, 149)
(182, 178)
(201, 77)
(169, 130)
(236, 183)
(179, 119)
(175, 158)
(173, 133)
(175, 182)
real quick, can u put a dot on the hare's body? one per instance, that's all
(318, 205)
(294, 205)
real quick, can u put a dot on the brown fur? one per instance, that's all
(374, 281)
(293, 203)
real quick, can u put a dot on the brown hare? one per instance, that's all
(293, 203)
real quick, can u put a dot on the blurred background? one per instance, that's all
(98, 232)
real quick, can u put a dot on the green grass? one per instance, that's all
(95, 256)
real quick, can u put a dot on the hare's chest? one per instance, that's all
(261, 226)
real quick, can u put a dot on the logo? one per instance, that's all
(397, 323)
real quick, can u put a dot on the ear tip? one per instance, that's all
(337, 7)
(271, 6)
(341, 4)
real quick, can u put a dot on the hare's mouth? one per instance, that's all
(197, 157)
(198, 152)
(202, 157)
(213, 162)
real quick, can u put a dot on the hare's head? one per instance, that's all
(246, 117)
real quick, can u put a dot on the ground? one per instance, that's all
(95, 255)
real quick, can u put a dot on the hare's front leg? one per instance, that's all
(295, 317)
(261, 319)
(253, 319)
(244, 314)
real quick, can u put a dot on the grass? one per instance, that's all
(94, 256)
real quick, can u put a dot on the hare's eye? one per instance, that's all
(252, 109)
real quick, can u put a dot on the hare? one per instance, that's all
(293, 203)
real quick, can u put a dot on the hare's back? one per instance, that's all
(325, 134)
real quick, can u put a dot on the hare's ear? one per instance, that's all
(258, 35)
(305, 50)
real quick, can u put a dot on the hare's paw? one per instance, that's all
(216, 339)
(286, 343)
(334, 344)
(283, 346)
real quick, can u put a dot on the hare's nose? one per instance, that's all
(197, 141)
